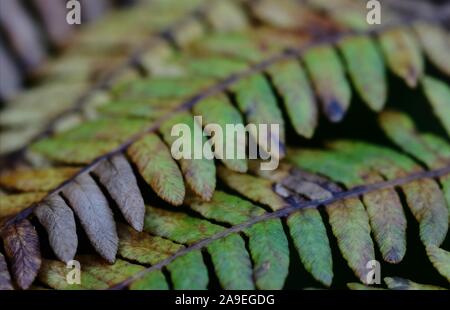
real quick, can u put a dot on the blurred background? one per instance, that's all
(32, 32)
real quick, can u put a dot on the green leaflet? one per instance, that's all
(438, 94)
(440, 259)
(227, 16)
(161, 88)
(36, 180)
(218, 110)
(401, 130)
(256, 189)
(117, 129)
(311, 241)
(331, 85)
(267, 241)
(73, 152)
(154, 280)
(189, 272)
(234, 45)
(200, 174)
(366, 68)
(362, 287)
(5, 277)
(441, 147)
(396, 283)
(191, 31)
(178, 226)
(428, 206)
(270, 252)
(257, 102)
(403, 55)
(157, 167)
(226, 208)
(435, 43)
(14, 203)
(139, 109)
(144, 248)
(229, 256)
(215, 67)
(148, 249)
(348, 218)
(292, 83)
(110, 274)
(350, 225)
(232, 263)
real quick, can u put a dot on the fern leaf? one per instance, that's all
(73, 152)
(311, 241)
(256, 189)
(328, 76)
(438, 94)
(199, 173)
(256, 101)
(91, 207)
(189, 272)
(14, 203)
(220, 111)
(144, 248)
(158, 168)
(351, 228)
(116, 175)
(396, 283)
(291, 82)
(36, 180)
(230, 62)
(232, 263)
(151, 281)
(434, 42)
(5, 278)
(440, 259)
(59, 222)
(366, 68)
(21, 244)
(403, 55)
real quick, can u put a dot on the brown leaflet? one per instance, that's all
(91, 207)
(5, 278)
(21, 244)
(59, 222)
(118, 178)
